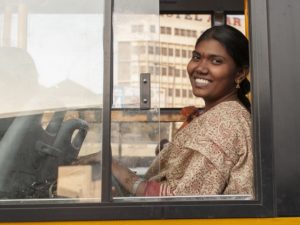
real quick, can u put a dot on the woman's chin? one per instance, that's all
(198, 93)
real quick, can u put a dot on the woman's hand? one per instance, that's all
(127, 178)
(88, 159)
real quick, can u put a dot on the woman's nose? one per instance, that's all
(201, 67)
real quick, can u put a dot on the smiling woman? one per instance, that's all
(219, 66)
(204, 168)
(212, 154)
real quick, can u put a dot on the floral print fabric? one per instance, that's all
(211, 155)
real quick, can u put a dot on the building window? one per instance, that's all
(177, 72)
(177, 52)
(164, 71)
(164, 51)
(142, 69)
(165, 30)
(171, 52)
(151, 69)
(150, 50)
(177, 92)
(194, 33)
(184, 95)
(237, 21)
(170, 92)
(169, 30)
(137, 28)
(152, 29)
(157, 70)
(189, 32)
(171, 71)
(157, 50)
(139, 49)
(182, 32)
(184, 53)
(185, 32)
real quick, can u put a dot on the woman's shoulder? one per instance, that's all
(227, 111)
(230, 116)
(229, 107)
(226, 118)
(224, 125)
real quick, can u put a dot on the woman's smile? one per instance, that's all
(201, 83)
(212, 72)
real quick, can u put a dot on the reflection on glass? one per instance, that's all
(135, 145)
(178, 33)
(211, 154)
(145, 42)
(135, 132)
(161, 46)
(136, 30)
(51, 73)
(237, 21)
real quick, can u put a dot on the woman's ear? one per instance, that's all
(242, 74)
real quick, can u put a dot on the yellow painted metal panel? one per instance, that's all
(246, 11)
(252, 221)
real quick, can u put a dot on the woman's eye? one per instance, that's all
(217, 61)
(196, 56)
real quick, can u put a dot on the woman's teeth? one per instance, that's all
(201, 82)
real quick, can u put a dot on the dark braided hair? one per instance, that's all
(236, 45)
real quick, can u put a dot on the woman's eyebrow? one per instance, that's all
(196, 53)
(215, 56)
(212, 55)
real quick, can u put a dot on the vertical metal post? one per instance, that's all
(262, 113)
(22, 25)
(107, 101)
(218, 18)
(7, 22)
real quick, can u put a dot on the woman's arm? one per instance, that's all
(129, 180)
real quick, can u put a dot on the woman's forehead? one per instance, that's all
(211, 47)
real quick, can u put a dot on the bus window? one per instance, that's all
(182, 40)
(136, 143)
(135, 132)
(51, 100)
(164, 52)
(237, 21)
(92, 85)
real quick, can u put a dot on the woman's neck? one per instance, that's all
(232, 96)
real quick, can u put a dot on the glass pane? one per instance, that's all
(135, 129)
(51, 70)
(237, 21)
(162, 46)
(178, 33)
(165, 57)
(201, 160)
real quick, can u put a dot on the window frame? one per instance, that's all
(262, 140)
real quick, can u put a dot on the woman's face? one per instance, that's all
(212, 72)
